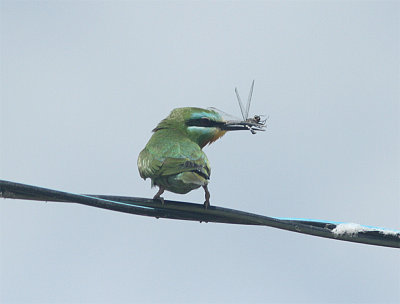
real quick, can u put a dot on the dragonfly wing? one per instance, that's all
(224, 115)
(249, 101)
(240, 104)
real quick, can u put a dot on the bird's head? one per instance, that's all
(205, 126)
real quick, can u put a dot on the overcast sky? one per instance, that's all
(84, 83)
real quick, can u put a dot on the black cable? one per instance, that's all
(196, 212)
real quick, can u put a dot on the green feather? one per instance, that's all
(174, 161)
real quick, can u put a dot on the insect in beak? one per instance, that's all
(255, 123)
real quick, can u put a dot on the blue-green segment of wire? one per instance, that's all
(196, 212)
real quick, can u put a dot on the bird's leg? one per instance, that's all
(158, 195)
(207, 196)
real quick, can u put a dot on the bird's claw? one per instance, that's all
(158, 196)
(161, 199)
(207, 197)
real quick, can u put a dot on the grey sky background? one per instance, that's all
(83, 84)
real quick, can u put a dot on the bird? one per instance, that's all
(174, 159)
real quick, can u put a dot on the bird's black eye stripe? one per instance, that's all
(201, 122)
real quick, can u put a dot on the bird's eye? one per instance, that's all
(200, 122)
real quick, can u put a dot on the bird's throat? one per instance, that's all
(218, 134)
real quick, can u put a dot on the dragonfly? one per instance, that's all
(253, 123)
(245, 113)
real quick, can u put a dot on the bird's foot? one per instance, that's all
(158, 196)
(161, 199)
(207, 197)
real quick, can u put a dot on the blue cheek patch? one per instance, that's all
(198, 115)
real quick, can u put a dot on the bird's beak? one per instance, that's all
(249, 124)
(231, 123)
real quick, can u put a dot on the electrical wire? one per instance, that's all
(196, 212)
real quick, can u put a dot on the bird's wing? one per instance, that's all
(172, 158)
(172, 166)
(148, 165)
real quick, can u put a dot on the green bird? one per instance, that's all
(173, 158)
